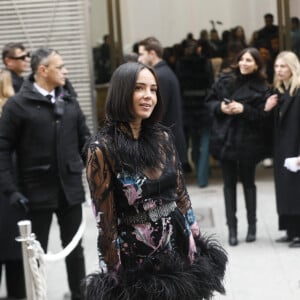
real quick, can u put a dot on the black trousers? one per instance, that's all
(15, 281)
(69, 219)
(245, 172)
(290, 223)
(233, 171)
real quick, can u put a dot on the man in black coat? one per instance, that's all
(46, 128)
(151, 53)
(195, 75)
(269, 33)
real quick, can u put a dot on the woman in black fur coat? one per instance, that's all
(238, 135)
(149, 244)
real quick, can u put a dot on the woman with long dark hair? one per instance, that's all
(149, 244)
(237, 102)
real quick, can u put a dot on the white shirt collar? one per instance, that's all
(44, 92)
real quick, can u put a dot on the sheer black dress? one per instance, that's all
(149, 244)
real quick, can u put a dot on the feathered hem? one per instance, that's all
(164, 277)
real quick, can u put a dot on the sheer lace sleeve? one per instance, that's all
(99, 176)
(183, 200)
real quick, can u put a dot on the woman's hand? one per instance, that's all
(233, 108)
(195, 229)
(271, 102)
(225, 108)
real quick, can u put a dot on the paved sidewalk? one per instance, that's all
(263, 270)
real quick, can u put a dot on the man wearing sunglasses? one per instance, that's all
(16, 59)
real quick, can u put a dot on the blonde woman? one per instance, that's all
(6, 87)
(286, 107)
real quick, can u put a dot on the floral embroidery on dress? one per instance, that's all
(131, 186)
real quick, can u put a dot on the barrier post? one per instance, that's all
(25, 237)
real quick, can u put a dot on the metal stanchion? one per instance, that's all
(25, 237)
(34, 259)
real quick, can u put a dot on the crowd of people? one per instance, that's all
(215, 45)
(197, 63)
(149, 239)
(237, 132)
(230, 99)
(238, 108)
(224, 86)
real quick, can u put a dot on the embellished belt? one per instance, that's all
(153, 214)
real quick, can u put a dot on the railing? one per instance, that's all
(34, 259)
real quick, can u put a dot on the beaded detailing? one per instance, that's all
(153, 214)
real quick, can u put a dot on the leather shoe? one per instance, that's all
(251, 234)
(67, 296)
(295, 244)
(233, 241)
(284, 239)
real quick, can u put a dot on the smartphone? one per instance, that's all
(227, 101)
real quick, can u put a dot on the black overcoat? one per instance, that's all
(48, 146)
(287, 144)
(195, 76)
(242, 136)
(172, 115)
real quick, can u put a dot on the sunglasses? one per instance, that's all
(22, 57)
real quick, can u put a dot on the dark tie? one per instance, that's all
(49, 97)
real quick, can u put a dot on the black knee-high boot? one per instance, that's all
(250, 199)
(230, 208)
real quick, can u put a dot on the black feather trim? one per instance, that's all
(133, 155)
(164, 277)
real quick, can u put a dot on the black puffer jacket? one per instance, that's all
(239, 137)
(48, 147)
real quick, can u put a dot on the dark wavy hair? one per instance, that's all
(260, 74)
(119, 101)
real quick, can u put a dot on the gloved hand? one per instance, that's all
(19, 201)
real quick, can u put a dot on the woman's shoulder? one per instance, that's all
(161, 136)
(99, 146)
(297, 92)
(224, 81)
(226, 77)
(163, 131)
(259, 85)
(101, 139)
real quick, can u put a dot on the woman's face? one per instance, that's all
(282, 70)
(247, 64)
(144, 95)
